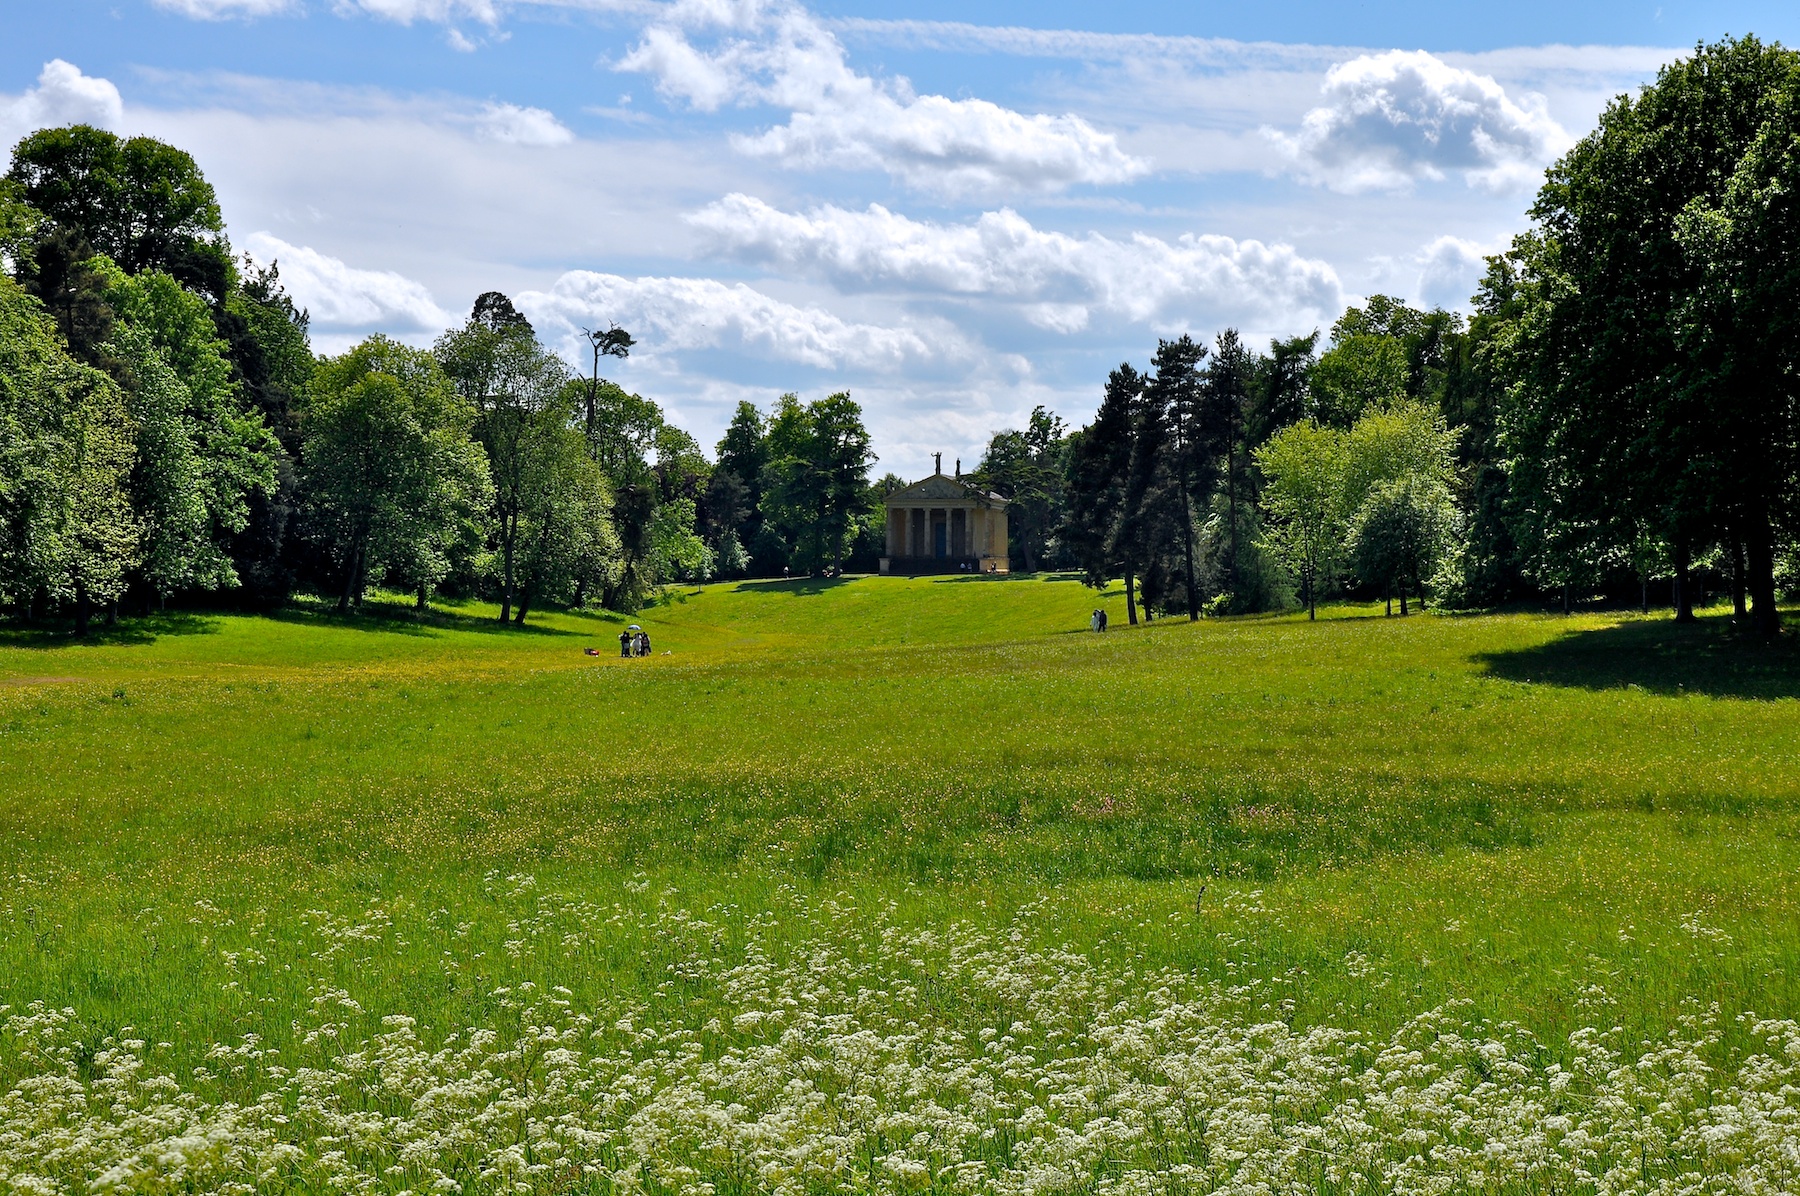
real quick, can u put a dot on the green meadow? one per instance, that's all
(211, 819)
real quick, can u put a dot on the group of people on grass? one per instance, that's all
(634, 643)
(1098, 622)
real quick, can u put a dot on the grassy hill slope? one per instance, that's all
(212, 819)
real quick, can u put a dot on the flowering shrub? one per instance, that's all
(893, 1059)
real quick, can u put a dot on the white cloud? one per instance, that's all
(405, 12)
(217, 10)
(1449, 269)
(63, 96)
(341, 296)
(845, 120)
(513, 125)
(1056, 279)
(1395, 118)
(675, 314)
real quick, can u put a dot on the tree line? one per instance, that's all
(167, 432)
(1620, 412)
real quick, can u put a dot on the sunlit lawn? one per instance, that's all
(1508, 808)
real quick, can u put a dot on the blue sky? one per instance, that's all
(955, 211)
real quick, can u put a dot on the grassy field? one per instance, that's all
(241, 843)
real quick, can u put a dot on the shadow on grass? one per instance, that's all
(146, 629)
(404, 619)
(793, 585)
(1662, 657)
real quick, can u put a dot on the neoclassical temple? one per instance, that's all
(945, 525)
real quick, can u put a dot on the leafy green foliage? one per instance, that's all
(1400, 533)
(1025, 467)
(67, 528)
(524, 401)
(1305, 466)
(815, 484)
(233, 452)
(394, 483)
(137, 200)
(1635, 395)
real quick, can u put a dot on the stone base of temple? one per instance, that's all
(923, 566)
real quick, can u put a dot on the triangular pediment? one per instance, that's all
(940, 487)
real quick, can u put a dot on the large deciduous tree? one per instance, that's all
(393, 480)
(141, 202)
(1025, 467)
(816, 482)
(68, 534)
(1304, 466)
(1634, 395)
(1739, 333)
(209, 454)
(520, 392)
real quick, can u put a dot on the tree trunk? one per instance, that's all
(1131, 597)
(424, 602)
(507, 532)
(84, 608)
(1644, 583)
(1684, 601)
(1403, 611)
(524, 605)
(112, 613)
(343, 602)
(1312, 603)
(362, 577)
(1388, 592)
(1739, 568)
(1759, 552)
(1231, 503)
(1568, 597)
(1187, 553)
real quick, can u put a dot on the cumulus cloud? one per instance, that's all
(1392, 119)
(341, 296)
(675, 314)
(513, 125)
(1449, 269)
(781, 55)
(63, 96)
(1057, 281)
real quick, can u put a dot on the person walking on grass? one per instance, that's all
(1102, 613)
(625, 644)
(643, 643)
(1094, 621)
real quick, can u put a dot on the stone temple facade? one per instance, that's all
(945, 525)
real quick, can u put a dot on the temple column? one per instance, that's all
(924, 530)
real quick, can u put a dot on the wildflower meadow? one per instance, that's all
(890, 885)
